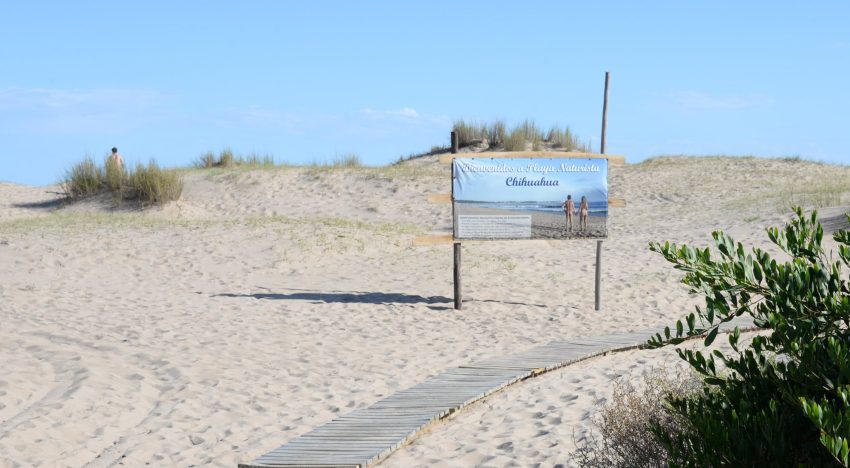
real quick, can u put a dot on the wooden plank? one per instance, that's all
(613, 160)
(438, 239)
(369, 435)
(440, 198)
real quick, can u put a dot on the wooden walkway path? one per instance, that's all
(367, 436)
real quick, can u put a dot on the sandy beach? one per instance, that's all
(546, 225)
(267, 302)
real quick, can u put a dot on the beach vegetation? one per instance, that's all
(350, 160)
(783, 400)
(83, 179)
(228, 159)
(225, 158)
(469, 133)
(115, 175)
(496, 133)
(151, 184)
(564, 138)
(497, 136)
(620, 439)
(206, 161)
(515, 141)
(530, 130)
(827, 192)
(147, 184)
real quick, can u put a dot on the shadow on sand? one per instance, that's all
(104, 201)
(360, 297)
(49, 204)
(355, 297)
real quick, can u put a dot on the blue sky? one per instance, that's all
(313, 80)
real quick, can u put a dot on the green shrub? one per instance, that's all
(83, 179)
(785, 399)
(152, 185)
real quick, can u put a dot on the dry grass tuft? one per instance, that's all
(349, 160)
(83, 179)
(515, 141)
(146, 184)
(624, 423)
(151, 184)
(227, 159)
(496, 136)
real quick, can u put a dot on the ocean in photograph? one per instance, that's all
(596, 208)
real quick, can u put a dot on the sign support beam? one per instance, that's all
(456, 245)
(598, 282)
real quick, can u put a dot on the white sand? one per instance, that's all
(268, 302)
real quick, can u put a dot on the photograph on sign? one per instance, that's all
(526, 198)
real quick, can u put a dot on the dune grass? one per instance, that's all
(515, 141)
(497, 136)
(226, 158)
(563, 138)
(70, 222)
(469, 133)
(349, 160)
(151, 184)
(774, 184)
(83, 179)
(147, 184)
(833, 190)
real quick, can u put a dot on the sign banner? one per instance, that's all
(524, 198)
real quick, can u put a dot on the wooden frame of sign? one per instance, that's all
(613, 160)
(443, 239)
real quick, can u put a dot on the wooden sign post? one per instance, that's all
(457, 247)
(598, 284)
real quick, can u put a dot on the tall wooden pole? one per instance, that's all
(604, 114)
(598, 294)
(458, 296)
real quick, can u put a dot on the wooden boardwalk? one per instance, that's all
(367, 436)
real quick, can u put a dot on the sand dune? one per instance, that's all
(267, 302)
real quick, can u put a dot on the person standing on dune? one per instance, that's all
(116, 159)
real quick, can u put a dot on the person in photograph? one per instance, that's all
(569, 209)
(584, 211)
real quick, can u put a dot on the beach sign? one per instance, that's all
(530, 198)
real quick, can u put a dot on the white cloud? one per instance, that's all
(692, 100)
(258, 116)
(44, 111)
(405, 114)
(58, 99)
